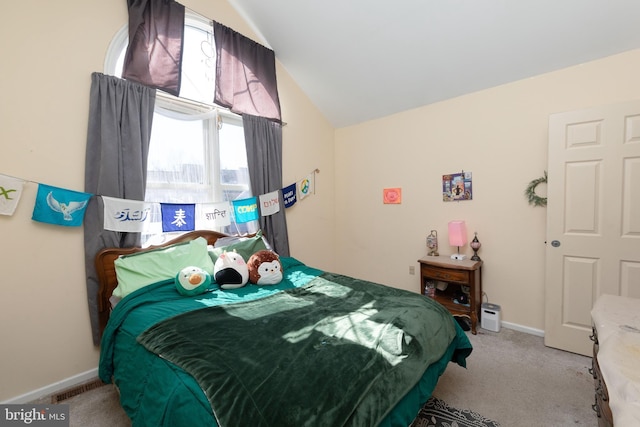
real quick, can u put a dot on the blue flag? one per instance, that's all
(246, 210)
(289, 195)
(59, 206)
(178, 216)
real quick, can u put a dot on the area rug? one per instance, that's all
(436, 413)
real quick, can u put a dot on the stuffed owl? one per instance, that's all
(192, 281)
(265, 268)
(230, 271)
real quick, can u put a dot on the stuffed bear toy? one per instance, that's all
(265, 268)
(230, 271)
(192, 281)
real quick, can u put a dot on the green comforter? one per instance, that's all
(374, 355)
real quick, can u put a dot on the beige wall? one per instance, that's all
(49, 51)
(500, 135)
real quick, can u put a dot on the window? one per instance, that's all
(197, 152)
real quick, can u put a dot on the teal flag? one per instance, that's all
(246, 210)
(59, 206)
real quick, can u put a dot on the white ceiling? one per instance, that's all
(362, 59)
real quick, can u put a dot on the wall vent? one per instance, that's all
(76, 390)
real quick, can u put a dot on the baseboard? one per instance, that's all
(55, 387)
(525, 329)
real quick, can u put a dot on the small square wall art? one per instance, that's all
(392, 196)
(457, 187)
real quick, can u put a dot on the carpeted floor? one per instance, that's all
(511, 377)
(99, 407)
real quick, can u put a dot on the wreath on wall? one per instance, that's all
(530, 192)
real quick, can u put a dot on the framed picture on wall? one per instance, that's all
(456, 187)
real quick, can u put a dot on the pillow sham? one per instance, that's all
(245, 246)
(145, 268)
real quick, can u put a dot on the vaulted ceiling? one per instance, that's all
(359, 60)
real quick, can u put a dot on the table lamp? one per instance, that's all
(457, 237)
(475, 245)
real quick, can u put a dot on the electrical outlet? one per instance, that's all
(412, 269)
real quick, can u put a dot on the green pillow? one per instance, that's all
(145, 268)
(244, 246)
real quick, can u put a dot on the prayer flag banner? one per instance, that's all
(305, 186)
(10, 192)
(213, 215)
(59, 206)
(246, 210)
(289, 195)
(178, 216)
(270, 203)
(130, 216)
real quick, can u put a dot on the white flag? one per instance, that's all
(10, 192)
(210, 216)
(305, 186)
(126, 215)
(270, 203)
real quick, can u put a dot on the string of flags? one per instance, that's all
(60, 206)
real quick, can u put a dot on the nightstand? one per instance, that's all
(455, 274)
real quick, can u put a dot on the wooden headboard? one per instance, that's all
(107, 272)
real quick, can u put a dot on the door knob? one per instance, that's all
(555, 243)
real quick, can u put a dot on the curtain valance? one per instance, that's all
(245, 70)
(245, 75)
(154, 54)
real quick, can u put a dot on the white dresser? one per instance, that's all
(616, 360)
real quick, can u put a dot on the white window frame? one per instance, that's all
(169, 105)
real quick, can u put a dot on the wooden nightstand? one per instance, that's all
(456, 274)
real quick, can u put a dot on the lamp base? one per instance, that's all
(458, 257)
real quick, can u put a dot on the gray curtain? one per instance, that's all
(156, 37)
(120, 118)
(263, 139)
(245, 75)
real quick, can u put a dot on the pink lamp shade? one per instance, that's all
(457, 233)
(457, 237)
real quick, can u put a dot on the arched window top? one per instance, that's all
(198, 61)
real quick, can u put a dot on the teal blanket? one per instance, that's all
(156, 392)
(335, 352)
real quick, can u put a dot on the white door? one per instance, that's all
(593, 218)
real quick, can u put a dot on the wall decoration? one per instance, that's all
(306, 186)
(56, 207)
(457, 186)
(10, 192)
(60, 206)
(530, 191)
(392, 196)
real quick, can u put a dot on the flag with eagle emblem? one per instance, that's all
(60, 206)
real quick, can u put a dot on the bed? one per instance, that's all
(316, 349)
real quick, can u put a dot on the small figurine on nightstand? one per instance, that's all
(432, 243)
(475, 245)
(430, 289)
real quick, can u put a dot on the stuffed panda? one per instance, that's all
(192, 281)
(265, 268)
(230, 271)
